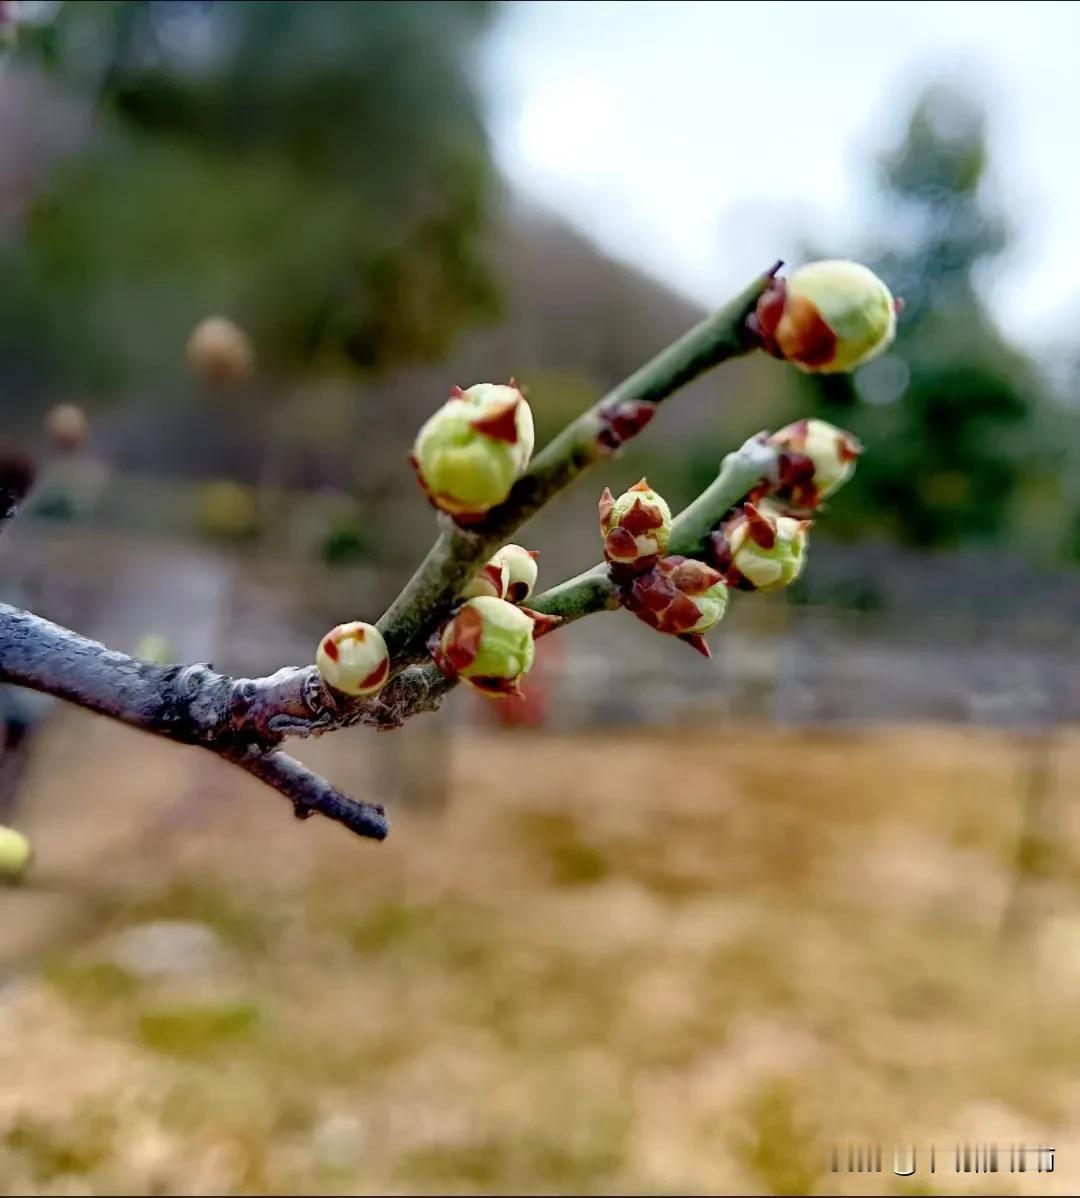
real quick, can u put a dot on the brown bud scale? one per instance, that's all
(621, 421)
(501, 423)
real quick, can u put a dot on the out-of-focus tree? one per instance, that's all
(955, 414)
(317, 171)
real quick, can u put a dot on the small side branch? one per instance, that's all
(192, 705)
(309, 793)
(620, 415)
(740, 472)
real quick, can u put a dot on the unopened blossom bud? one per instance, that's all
(681, 596)
(814, 459)
(491, 579)
(636, 526)
(830, 316)
(470, 453)
(15, 855)
(66, 426)
(759, 551)
(489, 643)
(521, 571)
(353, 658)
(220, 352)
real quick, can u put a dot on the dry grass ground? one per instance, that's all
(614, 963)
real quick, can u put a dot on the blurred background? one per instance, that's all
(667, 925)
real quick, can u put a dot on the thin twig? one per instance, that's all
(457, 553)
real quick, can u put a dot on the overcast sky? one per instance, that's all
(701, 140)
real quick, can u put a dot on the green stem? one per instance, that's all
(458, 552)
(739, 473)
(594, 591)
(576, 597)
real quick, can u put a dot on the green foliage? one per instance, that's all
(953, 413)
(318, 171)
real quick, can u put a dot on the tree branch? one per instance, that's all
(740, 472)
(620, 415)
(193, 705)
(309, 793)
(244, 720)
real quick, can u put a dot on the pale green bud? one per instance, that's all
(471, 452)
(814, 459)
(353, 658)
(830, 316)
(489, 643)
(636, 526)
(761, 551)
(491, 579)
(15, 855)
(521, 571)
(680, 596)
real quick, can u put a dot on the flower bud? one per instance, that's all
(66, 426)
(830, 316)
(220, 352)
(814, 459)
(489, 643)
(521, 571)
(470, 453)
(352, 658)
(15, 855)
(680, 596)
(759, 551)
(636, 526)
(491, 579)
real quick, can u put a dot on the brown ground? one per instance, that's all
(624, 962)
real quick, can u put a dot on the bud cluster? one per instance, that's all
(673, 594)
(680, 596)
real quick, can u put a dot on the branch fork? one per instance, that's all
(245, 720)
